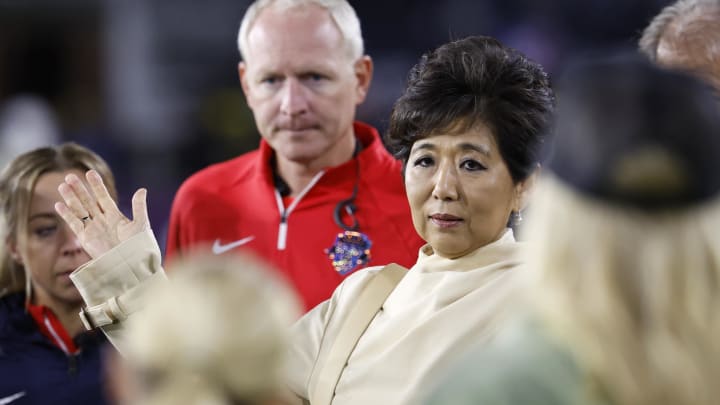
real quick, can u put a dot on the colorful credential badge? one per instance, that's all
(350, 250)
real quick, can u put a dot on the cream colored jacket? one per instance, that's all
(113, 285)
(441, 308)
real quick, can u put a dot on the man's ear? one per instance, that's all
(242, 75)
(363, 72)
(524, 189)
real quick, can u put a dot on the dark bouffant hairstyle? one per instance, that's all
(470, 81)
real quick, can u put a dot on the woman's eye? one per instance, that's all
(423, 162)
(45, 231)
(472, 165)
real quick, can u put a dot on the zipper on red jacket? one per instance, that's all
(285, 213)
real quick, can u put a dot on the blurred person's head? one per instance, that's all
(624, 231)
(468, 129)
(216, 333)
(39, 251)
(304, 74)
(686, 36)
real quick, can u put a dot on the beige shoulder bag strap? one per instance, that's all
(364, 310)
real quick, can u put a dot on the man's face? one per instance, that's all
(301, 83)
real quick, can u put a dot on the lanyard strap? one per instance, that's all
(326, 376)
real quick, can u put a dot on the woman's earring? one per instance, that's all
(28, 289)
(517, 217)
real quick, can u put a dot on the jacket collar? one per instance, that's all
(367, 135)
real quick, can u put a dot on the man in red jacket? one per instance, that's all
(321, 197)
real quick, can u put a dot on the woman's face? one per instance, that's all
(49, 251)
(460, 191)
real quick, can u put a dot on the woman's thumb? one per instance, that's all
(139, 208)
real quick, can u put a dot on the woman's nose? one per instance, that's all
(71, 243)
(446, 184)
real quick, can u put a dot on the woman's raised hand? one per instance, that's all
(95, 218)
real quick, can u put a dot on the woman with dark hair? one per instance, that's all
(623, 280)
(46, 354)
(468, 129)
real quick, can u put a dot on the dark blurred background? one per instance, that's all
(152, 86)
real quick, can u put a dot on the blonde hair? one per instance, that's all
(17, 182)
(634, 295)
(341, 12)
(216, 333)
(687, 24)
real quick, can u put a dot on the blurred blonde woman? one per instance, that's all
(215, 334)
(625, 252)
(46, 355)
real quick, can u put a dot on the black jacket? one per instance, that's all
(34, 371)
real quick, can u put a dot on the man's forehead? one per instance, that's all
(262, 66)
(274, 21)
(306, 27)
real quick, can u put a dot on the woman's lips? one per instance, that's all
(65, 274)
(445, 220)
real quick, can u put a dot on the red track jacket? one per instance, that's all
(233, 205)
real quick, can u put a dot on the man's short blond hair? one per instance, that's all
(341, 12)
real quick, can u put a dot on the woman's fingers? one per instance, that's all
(73, 221)
(82, 195)
(97, 185)
(139, 208)
(108, 226)
(72, 202)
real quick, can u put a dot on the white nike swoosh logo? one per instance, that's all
(11, 398)
(219, 248)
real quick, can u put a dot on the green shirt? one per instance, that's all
(522, 367)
